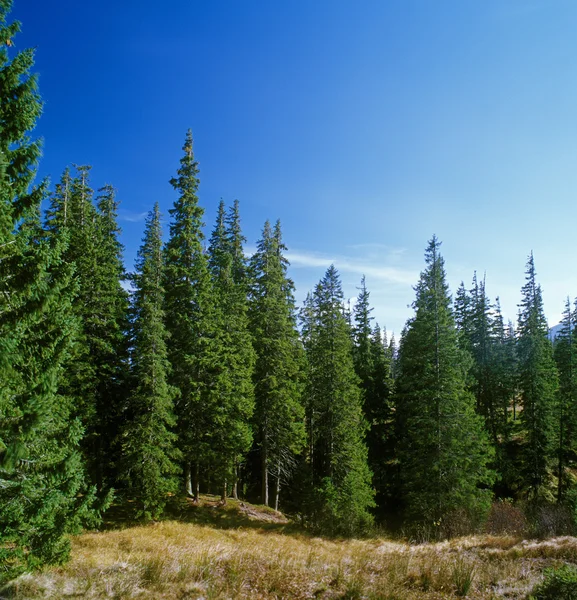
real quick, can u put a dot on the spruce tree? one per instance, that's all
(96, 375)
(372, 366)
(193, 351)
(503, 384)
(42, 493)
(379, 413)
(463, 316)
(538, 385)
(443, 449)
(362, 331)
(149, 452)
(340, 476)
(233, 387)
(279, 414)
(565, 353)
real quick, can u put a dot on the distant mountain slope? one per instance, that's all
(554, 331)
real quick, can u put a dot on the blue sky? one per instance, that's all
(365, 127)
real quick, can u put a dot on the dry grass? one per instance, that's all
(176, 559)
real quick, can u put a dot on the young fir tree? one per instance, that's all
(190, 311)
(443, 449)
(463, 316)
(340, 476)
(233, 388)
(362, 332)
(42, 493)
(482, 334)
(565, 352)
(109, 331)
(279, 415)
(372, 366)
(538, 385)
(149, 453)
(379, 413)
(504, 388)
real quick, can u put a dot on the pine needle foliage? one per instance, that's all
(149, 445)
(538, 386)
(233, 389)
(443, 448)
(191, 322)
(42, 483)
(278, 376)
(340, 475)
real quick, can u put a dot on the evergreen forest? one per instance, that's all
(196, 371)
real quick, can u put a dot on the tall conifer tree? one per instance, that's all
(42, 493)
(279, 414)
(341, 478)
(96, 375)
(443, 448)
(233, 388)
(373, 367)
(538, 385)
(149, 450)
(190, 320)
(565, 352)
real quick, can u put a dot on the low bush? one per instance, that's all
(505, 518)
(559, 584)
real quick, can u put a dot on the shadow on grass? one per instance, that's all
(210, 512)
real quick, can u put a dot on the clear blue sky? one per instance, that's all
(364, 126)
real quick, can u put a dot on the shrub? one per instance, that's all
(552, 519)
(559, 584)
(506, 518)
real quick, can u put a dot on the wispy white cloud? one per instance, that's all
(377, 247)
(131, 217)
(359, 267)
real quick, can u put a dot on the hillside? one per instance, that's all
(245, 551)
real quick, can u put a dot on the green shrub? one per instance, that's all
(559, 584)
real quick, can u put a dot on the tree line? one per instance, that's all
(206, 376)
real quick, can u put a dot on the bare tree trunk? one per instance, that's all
(235, 484)
(264, 473)
(224, 493)
(277, 490)
(188, 477)
(197, 482)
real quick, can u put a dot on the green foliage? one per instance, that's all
(149, 451)
(538, 385)
(192, 320)
(372, 359)
(565, 354)
(42, 491)
(233, 387)
(279, 415)
(339, 473)
(492, 377)
(443, 448)
(559, 584)
(96, 376)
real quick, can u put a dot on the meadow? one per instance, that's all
(242, 551)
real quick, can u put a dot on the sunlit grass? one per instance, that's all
(242, 559)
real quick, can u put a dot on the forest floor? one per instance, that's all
(245, 551)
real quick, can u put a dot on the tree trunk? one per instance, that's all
(277, 490)
(196, 482)
(264, 497)
(188, 476)
(224, 493)
(235, 484)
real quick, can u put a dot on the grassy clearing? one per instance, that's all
(241, 551)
